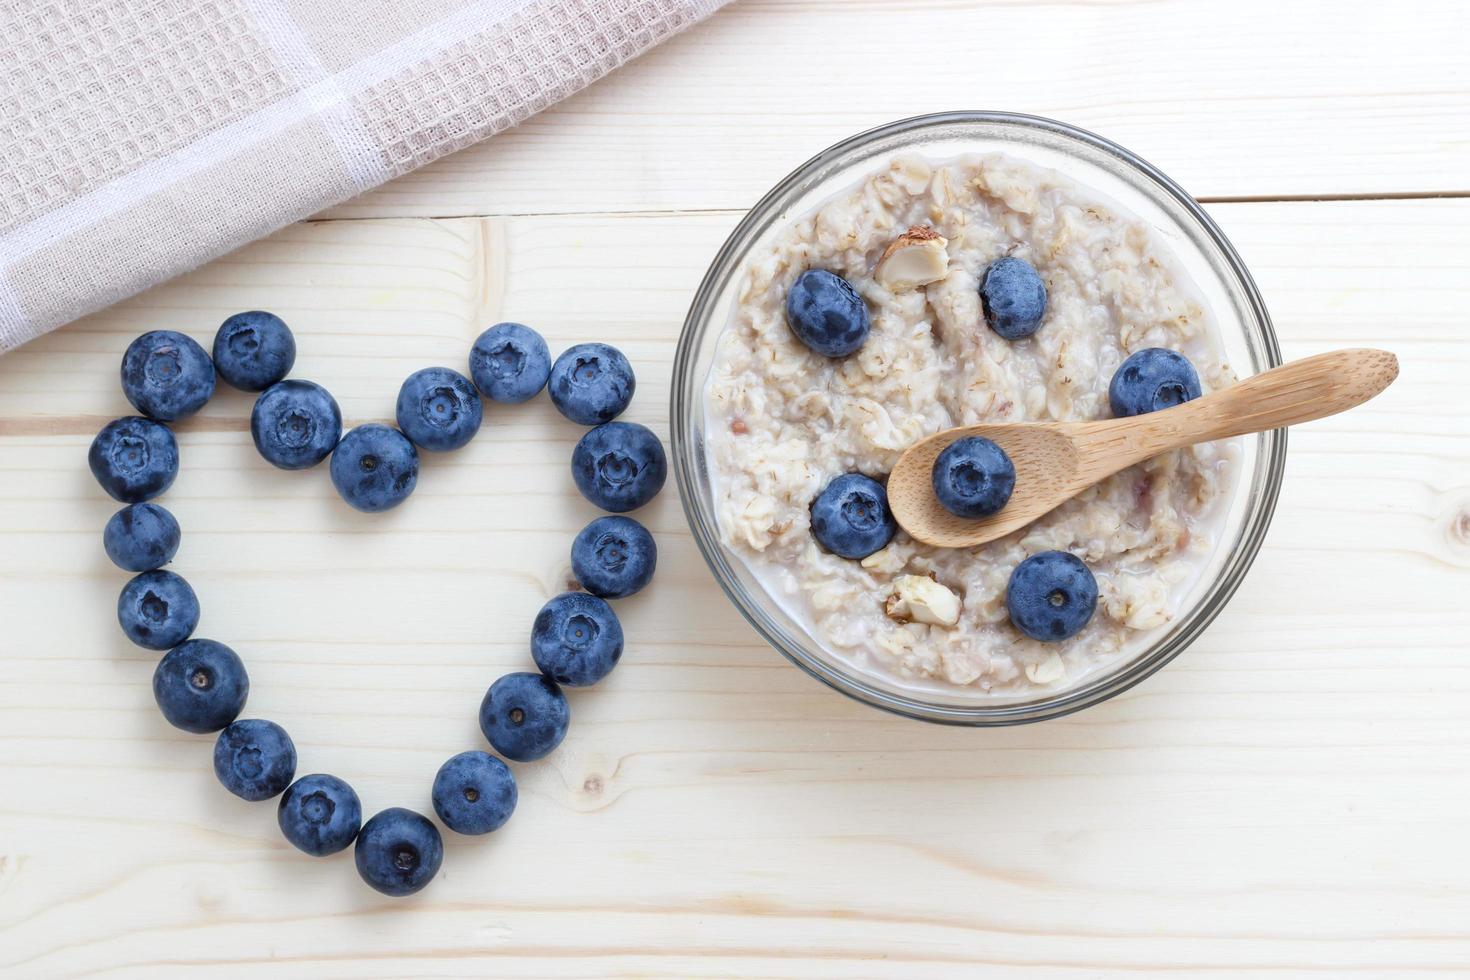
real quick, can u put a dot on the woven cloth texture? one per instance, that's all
(142, 138)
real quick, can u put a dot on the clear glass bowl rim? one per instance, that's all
(687, 410)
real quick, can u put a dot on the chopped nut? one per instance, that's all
(913, 259)
(920, 599)
(887, 560)
(1050, 669)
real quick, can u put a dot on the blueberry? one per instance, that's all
(614, 557)
(166, 375)
(398, 851)
(375, 468)
(1051, 596)
(157, 610)
(850, 517)
(826, 313)
(591, 383)
(254, 759)
(576, 639)
(319, 814)
(134, 459)
(439, 409)
(295, 424)
(1151, 379)
(200, 686)
(1013, 297)
(474, 793)
(254, 350)
(524, 716)
(510, 363)
(973, 477)
(141, 537)
(619, 466)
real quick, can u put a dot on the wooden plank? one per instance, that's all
(1287, 798)
(1253, 98)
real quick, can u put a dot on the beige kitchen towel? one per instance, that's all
(141, 138)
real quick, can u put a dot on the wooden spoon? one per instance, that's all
(1055, 461)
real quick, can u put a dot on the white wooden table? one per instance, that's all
(1289, 798)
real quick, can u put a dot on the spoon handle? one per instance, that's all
(1311, 388)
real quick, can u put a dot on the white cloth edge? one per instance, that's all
(127, 190)
(327, 97)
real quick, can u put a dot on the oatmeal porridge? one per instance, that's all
(783, 422)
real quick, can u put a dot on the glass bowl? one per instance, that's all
(1200, 249)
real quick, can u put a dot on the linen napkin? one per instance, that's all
(142, 138)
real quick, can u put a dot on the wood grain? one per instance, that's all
(1286, 800)
(1245, 99)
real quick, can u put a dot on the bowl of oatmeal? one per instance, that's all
(913, 216)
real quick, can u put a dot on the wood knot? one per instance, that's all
(209, 898)
(1459, 529)
(592, 785)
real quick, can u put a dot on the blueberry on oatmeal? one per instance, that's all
(851, 518)
(1013, 297)
(167, 375)
(1051, 596)
(510, 363)
(1152, 379)
(973, 477)
(826, 313)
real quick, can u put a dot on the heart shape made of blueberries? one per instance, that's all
(201, 685)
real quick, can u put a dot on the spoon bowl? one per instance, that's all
(1055, 461)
